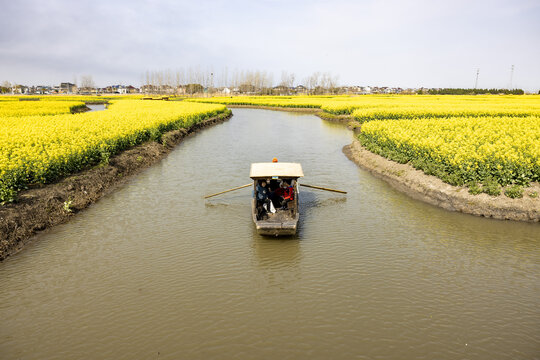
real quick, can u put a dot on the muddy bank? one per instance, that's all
(53, 204)
(79, 109)
(434, 191)
(345, 119)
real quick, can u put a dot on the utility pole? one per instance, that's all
(511, 76)
(476, 82)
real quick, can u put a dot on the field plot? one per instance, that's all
(462, 150)
(28, 108)
(37, 149)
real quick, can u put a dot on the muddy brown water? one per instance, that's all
(153, 271)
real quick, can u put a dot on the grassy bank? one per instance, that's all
(38, 149)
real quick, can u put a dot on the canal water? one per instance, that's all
(95, 107)
(153, 271)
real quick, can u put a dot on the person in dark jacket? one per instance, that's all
(263, 198)
(262, 191)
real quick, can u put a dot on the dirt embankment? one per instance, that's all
(434, 191)
(41, 208)
(80, 109)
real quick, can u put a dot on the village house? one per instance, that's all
(301, 90)
(67, 88)
(19, 89)
(281, 90)
(132, 89)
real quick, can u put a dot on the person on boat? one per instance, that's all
(282, 195)
(263, 195)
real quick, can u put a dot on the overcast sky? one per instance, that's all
(407, 43)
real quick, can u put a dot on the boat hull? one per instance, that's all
(276, 229)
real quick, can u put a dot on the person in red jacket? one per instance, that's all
(282, 195)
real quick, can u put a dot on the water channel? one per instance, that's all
(95, 107)
(152, 271)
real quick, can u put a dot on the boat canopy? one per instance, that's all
(277, 169)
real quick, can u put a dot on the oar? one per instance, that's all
(323, 188)
(222, 192)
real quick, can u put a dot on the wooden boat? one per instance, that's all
(284, 221)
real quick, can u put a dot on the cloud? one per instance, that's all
(385, 42)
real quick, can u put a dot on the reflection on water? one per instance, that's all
(155, 271)
(277, 276)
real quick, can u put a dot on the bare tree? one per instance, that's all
(87, 83)
(247, 81)
(313, 82)
(332, 83)
(287, 79)
(319, 84)
(6, 87)
(224, 78)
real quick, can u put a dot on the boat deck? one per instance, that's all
(283, 222)
(279, 217)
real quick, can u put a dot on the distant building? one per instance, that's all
(120, 89)
(301, 89)
(281, 90)
(132, 90)
(67, 88)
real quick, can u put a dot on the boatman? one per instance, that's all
(263, 195)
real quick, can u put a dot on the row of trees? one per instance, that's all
(195, 81)
(191, 80)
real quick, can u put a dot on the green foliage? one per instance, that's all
(491, 179)
(77, 108)
(514, 191)
(7, 194)
(474, 189)
(491, 187)
(533, 194)
(154, 135)
(105, 157)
